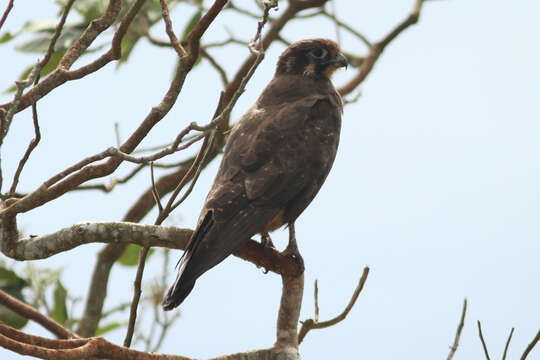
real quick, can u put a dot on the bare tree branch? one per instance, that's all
(43, 348)
(482, 339)
(310, 324)
(31, 146)
(531, 346)
(454, 347)
(287, 342)
(6, 13)
(136, 296)
(507, 344)
(170, 32)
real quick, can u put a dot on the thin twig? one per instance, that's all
(6, 13)
(215, 65)
(117, 134)
(168, 207)
(334, 16)
(117, 153)
(531, 346)
(316, 300)
(230, 40)
(454, 347)
(154, 189)
(507, 344)
(31, 146)
(341, 24)
(482, 339)
(310, 324)
(136, 296)
(170, 32)
(198, 170)
(114, 181)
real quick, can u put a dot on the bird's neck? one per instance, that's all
(287, 87)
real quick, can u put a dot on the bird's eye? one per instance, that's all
(318, 53)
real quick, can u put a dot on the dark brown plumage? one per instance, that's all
(275, 161)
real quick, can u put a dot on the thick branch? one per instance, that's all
(40, 247)
(25, 344)
(286, 346)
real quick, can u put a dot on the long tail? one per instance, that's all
(184, 282)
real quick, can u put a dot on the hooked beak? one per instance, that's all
(339, 61)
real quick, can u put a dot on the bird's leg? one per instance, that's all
(292, 248)
(266, 241)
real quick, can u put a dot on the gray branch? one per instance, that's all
(41, 247)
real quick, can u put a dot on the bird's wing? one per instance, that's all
(266, 164)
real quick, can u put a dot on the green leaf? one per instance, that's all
(89, 9)
(9, 317)
(35, 26)
(12, 284)
(130, 257)
(37, 45)
(128, 43)
(191, 24)
(40, 44)
(6, 37)
(8, 279)
(59, 312)
(51, 65)
(108, 328)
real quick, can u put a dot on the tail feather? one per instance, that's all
(176, 295)
(181, 287)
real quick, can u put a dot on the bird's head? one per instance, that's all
(317, 58)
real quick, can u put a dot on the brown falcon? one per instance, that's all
(275, 161)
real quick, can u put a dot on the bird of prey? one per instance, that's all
(274, 163)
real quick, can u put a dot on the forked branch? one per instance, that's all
(311, 324)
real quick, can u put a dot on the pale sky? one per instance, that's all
(435, 187)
